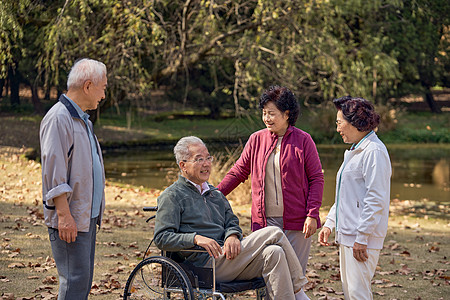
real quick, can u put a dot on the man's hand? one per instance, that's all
(310, 227)
(232, 247)
(67, 228)
(324, 234)
(360, 252)
(210, 245)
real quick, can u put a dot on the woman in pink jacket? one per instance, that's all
(286, 173)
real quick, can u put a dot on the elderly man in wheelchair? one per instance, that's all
(192, 213)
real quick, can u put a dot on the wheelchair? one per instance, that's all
(169, 276)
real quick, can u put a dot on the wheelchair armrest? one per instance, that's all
(196, 248)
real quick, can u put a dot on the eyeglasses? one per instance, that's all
(201, 160)
(339, 122)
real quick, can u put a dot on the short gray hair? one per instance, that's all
(85, 69)
(181, 149)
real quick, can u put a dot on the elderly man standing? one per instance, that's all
(192, 212)
(73, 178)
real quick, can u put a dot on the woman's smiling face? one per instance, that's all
(275, 120)
(349, 133)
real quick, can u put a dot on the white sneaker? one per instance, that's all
(301, 295)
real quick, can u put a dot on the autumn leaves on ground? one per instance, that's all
(413, 264)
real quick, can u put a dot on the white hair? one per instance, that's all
(85, 69)
(181, 149)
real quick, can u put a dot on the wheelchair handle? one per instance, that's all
(150, 208)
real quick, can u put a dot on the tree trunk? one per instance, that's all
(214, 109)
(35, 99)
(14, 88)
(2, 85)
(430, 101)
(47, 93)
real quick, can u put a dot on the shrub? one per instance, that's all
(388, 117)
(222, 164)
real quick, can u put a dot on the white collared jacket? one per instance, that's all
(364, 195)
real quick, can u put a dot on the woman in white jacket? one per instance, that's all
(361, 209)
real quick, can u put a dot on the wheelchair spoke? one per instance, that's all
(158, 278)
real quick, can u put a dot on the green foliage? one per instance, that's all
(326, 49)
(115, 32)
(11, 32)
(418, 38)
(223, 54)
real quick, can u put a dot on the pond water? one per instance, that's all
(419, 171)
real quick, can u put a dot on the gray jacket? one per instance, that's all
(67, 164)
(183, 212)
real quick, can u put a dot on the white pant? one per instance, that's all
(356, 276)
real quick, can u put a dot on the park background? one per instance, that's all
(179, 68)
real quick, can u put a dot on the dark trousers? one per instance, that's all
(75, 263)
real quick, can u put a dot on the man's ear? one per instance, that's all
(182, 164)
(87, 86)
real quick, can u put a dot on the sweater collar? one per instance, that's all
(203, 188)
(183, 180)
(273, 135)
(370, 137)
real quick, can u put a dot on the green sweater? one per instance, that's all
(183, 212)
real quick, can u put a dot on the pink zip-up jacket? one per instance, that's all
(301, 176)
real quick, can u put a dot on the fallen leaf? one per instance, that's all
(50, 280)
(405, 253)
(312, 274)
(404, 270)
(433, 249)
(8, 296)
(16, 265)
(321, 254)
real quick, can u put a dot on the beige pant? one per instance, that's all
(265, 253)
(297, 238)
(356, 276)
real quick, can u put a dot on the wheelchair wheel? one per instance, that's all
(158, 277)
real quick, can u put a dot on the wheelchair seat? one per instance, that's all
(202, 277)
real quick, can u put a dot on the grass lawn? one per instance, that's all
(22, 130)
(413, 264)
